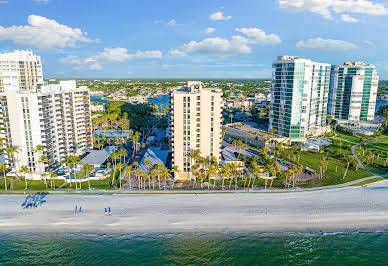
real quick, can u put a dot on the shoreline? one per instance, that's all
(347, 209)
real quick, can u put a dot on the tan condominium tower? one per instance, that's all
(195, 124)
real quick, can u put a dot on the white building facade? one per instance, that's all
(195, 123)
(299, 96)
(353, 91)
(56, 117)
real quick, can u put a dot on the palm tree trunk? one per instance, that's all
(25, 179)
(223, 181)
(5, 181)
(88, 181)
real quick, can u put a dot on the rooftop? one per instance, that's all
(98, 157)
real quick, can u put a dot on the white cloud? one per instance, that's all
(209, 30)
(219, 16)
(108, 55)
(158, 21)
(71, 60)
(43, 33)
(214, 47)
(326, 8)
(172, 22)
(369, 43)
(325, 44)
(256, 35)
(347, 18)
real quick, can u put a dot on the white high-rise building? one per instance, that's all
(299, 96)
(56, 117)
(353, 91)
(20, 70)
(195, 123)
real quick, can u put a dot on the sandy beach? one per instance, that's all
(344, 209)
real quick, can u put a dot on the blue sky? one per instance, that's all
(192, 38)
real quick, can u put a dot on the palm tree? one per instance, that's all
(72, 161)
(128, 172)
(42, 161)
(176, 170)
(140, 174)
(231, 118)
(53, 175)
(165, 173)
(88, 168)
(10, 153)
(225, 172)
(24, 170)
(122, 153)
(3, 168)
(114, 156)
(39, 150)
(349, 160)
(194, 156)
(120, 167)
(44, 176)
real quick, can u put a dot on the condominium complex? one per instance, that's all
(21, 70)
(56, 117)
(353, 91)
(195, 123)
(299, 96)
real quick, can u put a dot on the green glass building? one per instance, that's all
(299, 96)
(353, 91)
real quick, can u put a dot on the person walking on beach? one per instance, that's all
(75, 210)
(80, 209)
(106, 211)
(110, 213)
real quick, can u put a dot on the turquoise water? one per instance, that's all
(195, 249)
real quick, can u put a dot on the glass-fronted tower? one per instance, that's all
(353, 91)
(299, 96)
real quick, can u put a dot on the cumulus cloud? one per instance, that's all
(209, 30)
(108, 55)
(326, 8)
(227, 47)
(347, 18)
(256, 35)
(44, 33)
(214, 47)
(325, 44)
(219, 16)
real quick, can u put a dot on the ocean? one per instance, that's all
(196, 249)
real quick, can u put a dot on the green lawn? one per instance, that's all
(332, 177)
(369, 181)
(381, 138)
(33, 185)
(348, 137)
(104, 184)
(340, 146)
(377, 165)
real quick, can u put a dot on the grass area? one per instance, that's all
(369, 181)
(348, 137)
(104, 184)
(332, 177)
(33, 185)
(340, 146)
(378, 164)
(381, 138)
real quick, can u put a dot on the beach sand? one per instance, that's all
(345, 209)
